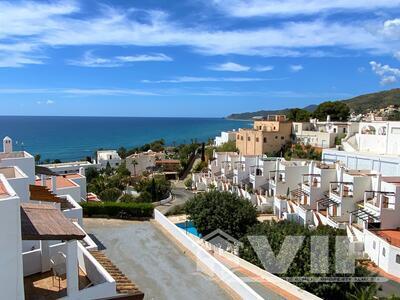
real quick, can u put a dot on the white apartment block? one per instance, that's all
(71, 167)
(226, 136)
(319, 134)
(42, 237)
(111, 157)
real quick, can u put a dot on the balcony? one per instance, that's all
(340, 190)
(378, 200)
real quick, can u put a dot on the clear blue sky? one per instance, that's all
(192, 58)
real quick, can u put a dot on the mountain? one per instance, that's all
(368, 102)
(359, 104)
(262, 113)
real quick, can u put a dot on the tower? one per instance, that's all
(7, 145)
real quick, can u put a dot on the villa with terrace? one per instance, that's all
(46, 253)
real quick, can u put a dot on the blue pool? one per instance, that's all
(188, 226)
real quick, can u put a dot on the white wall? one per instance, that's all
(11, 271)
(26, 164)
(388, 166)
(386, 262)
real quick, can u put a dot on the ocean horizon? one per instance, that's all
(73, 138)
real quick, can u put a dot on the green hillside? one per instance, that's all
(359, 104)
(365, 103)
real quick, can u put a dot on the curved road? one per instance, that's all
(180, 194)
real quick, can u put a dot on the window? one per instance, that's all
(265, 140)
(241, 137)
(334, 130)
(282, 137)
(344, 130)
(238, 137)
(383, 251)
(257, 140)
(248, 138)
(398, 258)
(276, 137)
(395, 130)
(373, 244)
(296, 128)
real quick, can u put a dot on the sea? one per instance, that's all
(75, 138)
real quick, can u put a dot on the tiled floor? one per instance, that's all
(41, 286)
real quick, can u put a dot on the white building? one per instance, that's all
(321, 134)
(111, 157)
(40, 235)
(226, 136)
(71, 167)
(144, 161)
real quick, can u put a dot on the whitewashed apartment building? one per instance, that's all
(45, 251)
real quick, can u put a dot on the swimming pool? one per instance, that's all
(188, 226)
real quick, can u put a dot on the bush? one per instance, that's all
(221, 210)
(127, 198)
(176, 210)
(188, 183)
(144, 196)
(117, 210)
(110, 195)
(158, 187)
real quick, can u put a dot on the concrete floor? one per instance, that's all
(152, 261)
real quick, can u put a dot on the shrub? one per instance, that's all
(110, 195)
(127, 198)
(221, 210)
(117, 209)
(188, 183)
(176, 210)
(144, 196)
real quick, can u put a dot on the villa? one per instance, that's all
(46, 253)
(144, 161)
(267, 135)
(71, 167)
(225, 137)
(110, 157)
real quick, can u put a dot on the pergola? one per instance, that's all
(40, 222)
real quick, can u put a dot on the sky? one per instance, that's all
(192, 58)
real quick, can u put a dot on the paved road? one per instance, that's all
(181, 195)
(160, 269)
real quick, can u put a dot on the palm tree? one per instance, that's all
(134, 163)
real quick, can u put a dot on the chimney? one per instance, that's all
(53, 184)
(82, 171)
(7, 145)
(43, 180)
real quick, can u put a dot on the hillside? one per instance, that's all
(261, 113)
(359, 104)
(365, 103)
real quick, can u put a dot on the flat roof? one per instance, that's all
(46, 222)
(10, 172)
(62, 181)
(392, 236)
(15, 154)
(66, 164)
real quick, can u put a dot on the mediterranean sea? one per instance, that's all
(74, 138)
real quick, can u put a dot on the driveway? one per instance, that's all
(152, 261)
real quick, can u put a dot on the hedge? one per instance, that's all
(117, 210)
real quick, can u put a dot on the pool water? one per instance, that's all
(188, 226)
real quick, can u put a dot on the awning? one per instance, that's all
(46, 222)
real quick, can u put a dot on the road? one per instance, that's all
(181, 195)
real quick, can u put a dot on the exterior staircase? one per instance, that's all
(124, 284)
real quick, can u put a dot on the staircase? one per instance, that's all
(124, 284)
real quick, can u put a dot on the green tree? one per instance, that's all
(221, 210)
(127, 198)
(122, 152)
(338, 111)
(110, 194)
(108, 170)
(298, 115)
(188, 183)
(301, 265)
(37, 158)
(90, 174)
(227, 147)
